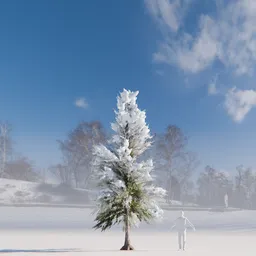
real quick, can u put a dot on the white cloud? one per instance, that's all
(165, 12)
(212, 90)
(238, 103)
(81, 103)
(230, 37)
(227, 36)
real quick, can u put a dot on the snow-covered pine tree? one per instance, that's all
(128, 194)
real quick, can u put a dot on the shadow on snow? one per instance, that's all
(39, 250)
(64, 250)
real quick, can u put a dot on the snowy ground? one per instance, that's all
(32, 193)
(58, 231)
(24, 192)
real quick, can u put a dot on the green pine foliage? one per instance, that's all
(127, 195)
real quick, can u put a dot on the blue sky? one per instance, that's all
(192, 61)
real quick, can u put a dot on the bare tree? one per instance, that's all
(170, 152)
(239, 186)
(188, 192)
(5, 146)
(77, 152)
(245, 186)
(212, 186)
(43, 174)
(62, 172)
(249, 180)
(239, 177)
(21, 169)
(187, 167)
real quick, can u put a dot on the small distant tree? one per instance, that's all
(212, 186)
(128, 194)
(245, 186)
(63, 173)
(5, 146)
(188, 166)
(21, 169)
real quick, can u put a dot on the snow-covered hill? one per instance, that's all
(24, 192)
(20, 193)
(17, 192)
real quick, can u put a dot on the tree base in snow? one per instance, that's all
(127, 248)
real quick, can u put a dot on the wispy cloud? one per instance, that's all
(81, 103)
(228, 36)
(212, 88)
(167, 14)
(238, 103)
(160, 72)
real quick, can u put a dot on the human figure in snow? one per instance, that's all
(226, 200)
(181, 225)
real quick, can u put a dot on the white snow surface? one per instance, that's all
(68, 231)
(13, 191)
(25, 192)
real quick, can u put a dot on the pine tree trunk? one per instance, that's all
(127, 244)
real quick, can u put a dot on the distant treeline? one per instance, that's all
(175, 166)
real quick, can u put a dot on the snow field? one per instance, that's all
(76, 242)
(68, 231)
